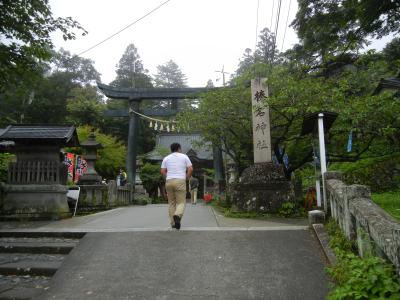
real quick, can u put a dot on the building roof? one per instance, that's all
(39, 134)
(390, 83)
(310, 122)
(188, 143)
(149, 93)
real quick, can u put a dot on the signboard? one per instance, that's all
(261, 121)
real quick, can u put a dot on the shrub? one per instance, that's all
(287, 209)
(142, 200)
(151, 178)
(5, 159)
(379, 173)
(356, 277)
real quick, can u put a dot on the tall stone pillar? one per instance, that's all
(132, 141)
(263, 186)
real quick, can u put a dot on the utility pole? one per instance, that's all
(223, 75)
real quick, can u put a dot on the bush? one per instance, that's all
(287, 209)
(142, 200)
(380, 173)
(151, 178)
(5, 159)
(356, 277)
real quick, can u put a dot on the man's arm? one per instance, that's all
(163, 172)
(189, 172)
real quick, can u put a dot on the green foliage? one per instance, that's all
(244, 215)
(85, 107)
(111, 157)
(151, 178)
(287, 209)
(130, 70)
(169, 75)
(389, 201)
(364, 278)
(356, 277)
(223, 118)
(26, 28)
(335, 26)
(337, 240)
(5, 159)
(142, 200)
(379, 173)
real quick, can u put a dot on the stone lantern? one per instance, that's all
(90, 147)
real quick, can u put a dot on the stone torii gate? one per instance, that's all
(134, 96)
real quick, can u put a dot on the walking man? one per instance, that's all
(194, 185)
(176, 167)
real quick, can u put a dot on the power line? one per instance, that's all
(272, 15)
(287, 19)
(126, 27)
(276, 29)
(258, 6)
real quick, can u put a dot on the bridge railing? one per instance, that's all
(374, 230)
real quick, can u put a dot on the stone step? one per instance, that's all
(36, 246)
(32, 268)
(22, 287)
(41, 234)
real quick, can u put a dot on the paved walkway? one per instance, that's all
(155, 218)
(132, 253)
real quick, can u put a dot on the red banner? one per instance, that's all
(69, 159)
(81, 167)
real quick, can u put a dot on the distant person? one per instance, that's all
(122, 177)
(176, 167)
(194, 186)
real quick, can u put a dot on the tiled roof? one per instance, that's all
(187, 141)
(65, 135)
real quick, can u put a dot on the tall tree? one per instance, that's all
(245, 62)
(169, 75)
(130, 70)
(130, 74)
(82, 70)
(266, 50)
(85, 106)
(49, 104)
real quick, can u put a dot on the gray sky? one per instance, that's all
(199, 35)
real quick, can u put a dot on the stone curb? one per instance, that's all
(323, 240)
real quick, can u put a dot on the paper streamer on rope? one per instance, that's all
(164, 125)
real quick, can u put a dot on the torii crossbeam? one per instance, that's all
(135, 96)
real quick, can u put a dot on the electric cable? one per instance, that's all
(276, 30)
(272, 15)
(126, 27)
(287, 19)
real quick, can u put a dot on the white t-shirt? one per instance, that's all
(176, 164)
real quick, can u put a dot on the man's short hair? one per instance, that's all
(175, 147)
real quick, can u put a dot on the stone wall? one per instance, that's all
(374, 230)
(99, 197)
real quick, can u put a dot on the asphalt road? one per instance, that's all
(252, 264)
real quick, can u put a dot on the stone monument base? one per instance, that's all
(262, 187)
(35, 202)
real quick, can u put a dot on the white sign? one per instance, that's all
(261, 124)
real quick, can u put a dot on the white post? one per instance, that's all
(322, 153)
(318, 189)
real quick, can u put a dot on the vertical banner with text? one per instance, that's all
(261, 122)
(80, 167)
(69, 159)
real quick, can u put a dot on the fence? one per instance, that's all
(37, 172)
(98, 197)
(374, 230)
